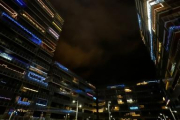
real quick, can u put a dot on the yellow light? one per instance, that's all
(59, 29)
(3, 65)
(143, 83)
(154, 25)
(34, 22)
(116, 108)
(167, 85)
(130, 101)
(119, 96)
(164, 107)
(141, 106)
(46, 8)
(128, 90)
(26, 88)
(59, 18)
(120, 101)
(13, 13)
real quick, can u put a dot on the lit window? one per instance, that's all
(130, 101)
(119, 96)
(120, 101)
(116, 108)
(128, 90)
(141, 106)
(142, 83)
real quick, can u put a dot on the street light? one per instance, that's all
(77, 106)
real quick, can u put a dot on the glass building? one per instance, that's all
(32, 85)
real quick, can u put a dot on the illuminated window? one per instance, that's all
(141, 106)
(128, 90)
(130, 101)
(134, 114)
(143, 83)
(134, 108)
(116, 108)
(119, 96)
(120, 101)
(75, 80)
(41, 102)
(38, 71)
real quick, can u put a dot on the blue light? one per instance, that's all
(78, 91)
(34, 38)
(21, 3)
(23, 102)
(94, 98)
(35, 77)
(134, 108)
(116, 86)
(139, 21)
(156, 81)
(6, 56)
(171, 30)
(61, 66)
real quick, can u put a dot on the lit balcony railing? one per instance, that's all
(53, 33)
(20, 3)
(33, 38)
(37, 78)
(8, 9)
(46, 8)
(34, 69)
(33, 21)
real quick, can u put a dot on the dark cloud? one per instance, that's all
(100, 40)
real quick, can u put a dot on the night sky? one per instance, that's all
(101, 41)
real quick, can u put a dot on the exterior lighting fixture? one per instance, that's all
(77, 108)
(80, 106)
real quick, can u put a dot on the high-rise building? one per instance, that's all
(31, 84)
(143, 101)
(159, 28)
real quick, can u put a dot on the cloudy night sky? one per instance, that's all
(101, 43)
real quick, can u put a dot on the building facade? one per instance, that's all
(159, 29)
(143, 101)
(32, 85)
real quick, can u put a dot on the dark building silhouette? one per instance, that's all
(143, 101)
